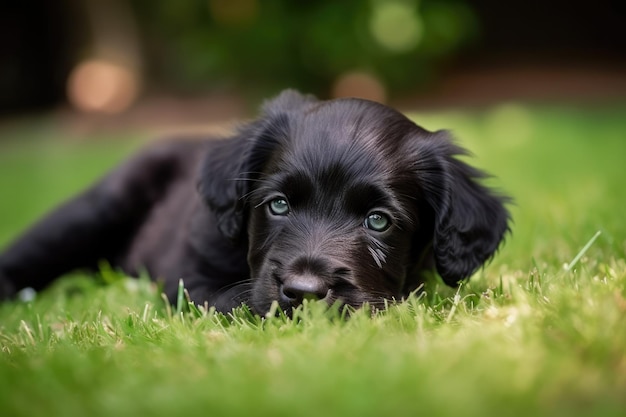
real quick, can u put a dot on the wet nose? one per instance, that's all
(296, 288)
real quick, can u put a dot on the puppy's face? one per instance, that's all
(342, 200)
(334, 213)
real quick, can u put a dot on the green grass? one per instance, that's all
(540, 331)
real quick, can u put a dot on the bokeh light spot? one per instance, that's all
(361, 85)
(395, 25)
(100, 86)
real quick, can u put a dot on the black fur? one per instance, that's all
(279, 212)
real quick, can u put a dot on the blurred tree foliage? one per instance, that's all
(268, 44)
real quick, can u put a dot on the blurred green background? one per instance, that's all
(109, 57)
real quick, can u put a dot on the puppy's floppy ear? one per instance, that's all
(470, 219)
(231, 166)
(221, 185)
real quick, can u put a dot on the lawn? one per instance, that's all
(540, 331)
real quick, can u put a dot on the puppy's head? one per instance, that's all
(343, 200)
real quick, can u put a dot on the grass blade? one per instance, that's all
(180, 299)
(580, 254)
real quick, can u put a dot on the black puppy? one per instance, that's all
(343, 200)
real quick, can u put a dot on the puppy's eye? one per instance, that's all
(279, 206)
(377, 221)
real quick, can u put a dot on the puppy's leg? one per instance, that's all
(92, 226)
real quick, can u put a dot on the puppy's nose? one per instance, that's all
(296, 288)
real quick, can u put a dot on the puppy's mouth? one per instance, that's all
(291, 291)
